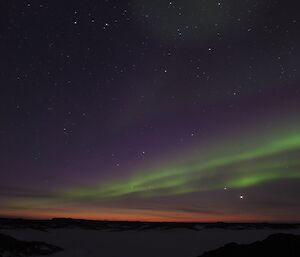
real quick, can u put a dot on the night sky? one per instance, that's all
(150, 110)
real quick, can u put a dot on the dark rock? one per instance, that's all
(277, 245)
(11, 247)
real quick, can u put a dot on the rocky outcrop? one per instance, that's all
(11, 247)
(277, 245)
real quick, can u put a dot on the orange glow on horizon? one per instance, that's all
(134, 215)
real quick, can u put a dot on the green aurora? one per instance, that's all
(237, 163)
(268, 158)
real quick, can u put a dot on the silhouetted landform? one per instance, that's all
(277, 245)
(126, 225)
(11, 247)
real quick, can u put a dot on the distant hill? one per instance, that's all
(277, 245)
(130, 225)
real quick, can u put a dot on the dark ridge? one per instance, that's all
(7, 223)
(277, 245)
(11, 247)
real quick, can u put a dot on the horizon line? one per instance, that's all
(149, 221)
